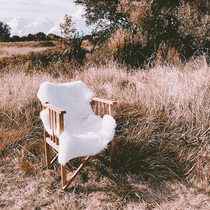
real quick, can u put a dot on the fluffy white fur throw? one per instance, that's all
(84, 132)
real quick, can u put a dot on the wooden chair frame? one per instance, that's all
(56, 118)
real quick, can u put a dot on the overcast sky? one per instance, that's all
(32, 16)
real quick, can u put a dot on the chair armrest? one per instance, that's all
(103, 106)
(54, 108)
(104, 101)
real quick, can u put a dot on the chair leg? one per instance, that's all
(47, 154)
(47, 150)
(112, 149)
(75, 173)
(63, 175)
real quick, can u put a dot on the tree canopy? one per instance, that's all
(4, 31)
(67, 28)
(147, 26)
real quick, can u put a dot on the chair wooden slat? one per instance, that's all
(100, 109)
(96, 108)
(50, 117)
(111, 110)
(53, 126)
(55, 120)
(61, 123)
(104, 108)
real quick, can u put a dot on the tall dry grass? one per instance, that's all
(163, 117)
(162, 140)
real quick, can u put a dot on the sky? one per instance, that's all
(33, 16)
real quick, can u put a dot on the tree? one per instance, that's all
(178, 23)
(67, 28)
(142, 28)
(4, 31)
(103, 14)
(15, 38)
(40, 36)
(30, 37)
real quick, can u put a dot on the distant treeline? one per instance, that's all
(40, 36)
(5, 35)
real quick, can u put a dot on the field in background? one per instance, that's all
(162, 139)
(8, 49)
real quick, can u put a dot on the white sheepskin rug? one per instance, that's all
(84, 132)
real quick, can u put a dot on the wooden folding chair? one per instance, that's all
(56, 118)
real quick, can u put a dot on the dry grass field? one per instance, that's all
(8, 49)
(162, 140)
